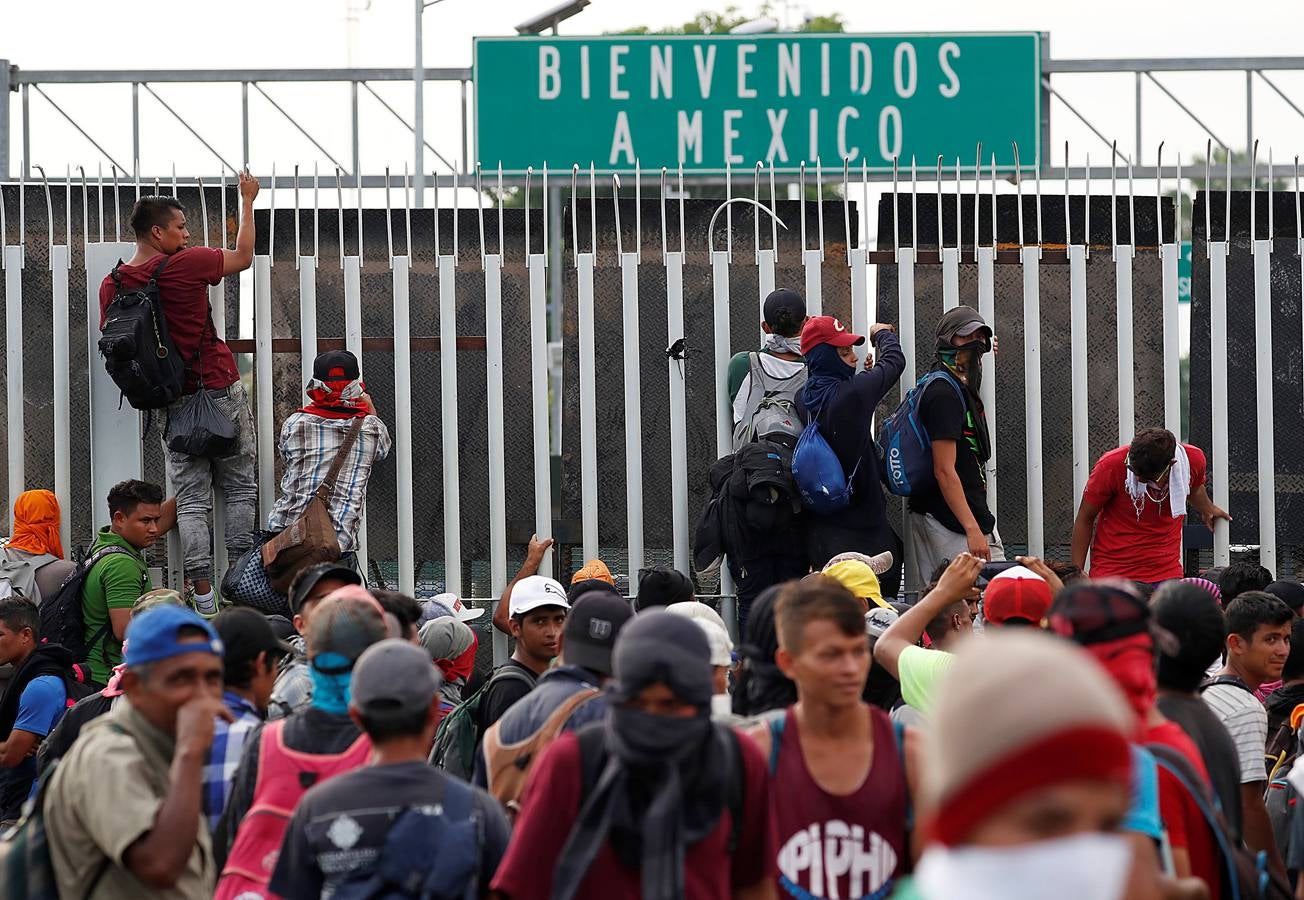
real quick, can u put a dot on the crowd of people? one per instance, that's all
(1094, 729)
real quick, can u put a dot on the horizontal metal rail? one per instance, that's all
(208, 76)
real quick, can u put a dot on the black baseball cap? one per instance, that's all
(335, 365)
(784, 307)
(245, 633)
(591, 629)
(306, 580)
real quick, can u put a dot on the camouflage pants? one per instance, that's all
(195, 478)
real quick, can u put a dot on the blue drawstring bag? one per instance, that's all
(823, 485)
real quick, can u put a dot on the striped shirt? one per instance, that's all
(224, 754)
(1246, 721)
(308, 445)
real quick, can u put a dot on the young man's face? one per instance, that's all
(1264, 655)
(174, 236)
(15, 643)
(171, 683)
(138, 527)
(848, 356)
(829, 665)
(539, 631)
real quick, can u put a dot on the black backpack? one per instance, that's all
(138, 351)
(62, 621)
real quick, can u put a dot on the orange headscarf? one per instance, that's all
(36, 523)
(595, 570)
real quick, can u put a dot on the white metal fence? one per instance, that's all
(113, 433)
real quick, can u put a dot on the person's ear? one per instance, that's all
(765, 326)
(783, 659)
(356, 716)
(1236, 644)
(432, 714)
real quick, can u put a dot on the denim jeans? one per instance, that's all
(194, 478)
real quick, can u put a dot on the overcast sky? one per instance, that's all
(337, 33)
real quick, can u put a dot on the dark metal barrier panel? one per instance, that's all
(699, 366)
(1241, 351)
(1102, 329)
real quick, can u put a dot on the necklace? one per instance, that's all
(1139, 503)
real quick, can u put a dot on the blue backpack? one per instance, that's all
(907, 448)
(821, 481)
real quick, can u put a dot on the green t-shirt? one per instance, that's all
(921, 673)
(116, 582)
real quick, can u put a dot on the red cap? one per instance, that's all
(827, 330)
(1016, 593)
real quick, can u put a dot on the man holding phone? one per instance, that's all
(1134, 507)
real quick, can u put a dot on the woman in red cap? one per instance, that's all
(843, 400)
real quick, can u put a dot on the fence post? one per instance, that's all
(5, 88)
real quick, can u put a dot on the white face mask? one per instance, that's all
(1082, 867)
(721, 705)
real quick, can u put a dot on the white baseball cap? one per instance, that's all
(535, 591)
(718, 638)
(456, 607)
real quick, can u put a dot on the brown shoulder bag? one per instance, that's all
(311, 538)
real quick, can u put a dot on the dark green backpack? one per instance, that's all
(459, 732)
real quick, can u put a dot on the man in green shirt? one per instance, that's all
(138, 516)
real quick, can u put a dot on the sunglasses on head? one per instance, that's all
(1158, 475)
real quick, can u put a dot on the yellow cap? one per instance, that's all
(858, 578)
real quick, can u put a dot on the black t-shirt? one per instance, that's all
(500, 695)
(1216, 747)
(339, 828)
(947, 418)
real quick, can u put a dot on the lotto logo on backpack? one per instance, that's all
(907, 448)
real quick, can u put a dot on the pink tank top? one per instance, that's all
(846, 847)
(284, 775)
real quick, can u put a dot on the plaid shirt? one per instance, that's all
(308, 445)
(224, 754)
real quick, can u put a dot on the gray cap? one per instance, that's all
(961, 320)
(394, 676)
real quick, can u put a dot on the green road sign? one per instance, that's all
(731, 100)
(1184, 274)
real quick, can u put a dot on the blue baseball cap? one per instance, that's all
(153, 635)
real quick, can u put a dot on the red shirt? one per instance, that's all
(183, 290)
(551, 804)
(1145, 548)
(1185, 823)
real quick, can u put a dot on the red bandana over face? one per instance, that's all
(337, 398)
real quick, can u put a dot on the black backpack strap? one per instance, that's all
(1233, 680)
(736, 792)
(98, 639)
(158, 272)
(116, 275)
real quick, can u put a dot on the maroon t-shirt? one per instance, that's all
(832, 845)
(183, 290)
(551, 803)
